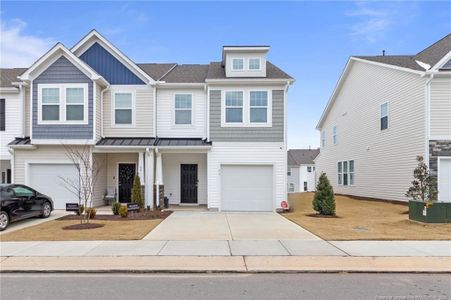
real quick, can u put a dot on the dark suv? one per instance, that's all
(20, 202)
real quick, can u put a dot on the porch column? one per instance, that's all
(149, 178)
(159, 177)
(141, 166)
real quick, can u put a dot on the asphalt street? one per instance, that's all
(225, 286)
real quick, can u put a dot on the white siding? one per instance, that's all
(440, 111)
(143, 113)
(27, 112)
(171, 175)
(246, 153)
(113, 159)
(100, 160)
(98, 110)
(384, 160)
(294, 179)
(309, 177)
(13, 122)
(165, 114)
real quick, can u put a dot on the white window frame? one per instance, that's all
(246, 108)
(259, 64)
(256, 124)
(334, 135)
(323, 139)
(339, 182)
(348, 172)
(174, 109)
(289, 172)
(388, 116)
(291, 187)
(113, 109)
(62, 103)
(243, 63)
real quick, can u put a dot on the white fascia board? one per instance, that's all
(387, 66)
(235, 81)
(9, 90)
(441, 62)
(93, 36)
(61, 142)
(120, 149)
(180, 85)
(23, 147)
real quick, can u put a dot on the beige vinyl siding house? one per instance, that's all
(440, 108)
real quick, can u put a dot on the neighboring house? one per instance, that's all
(301, 170)
(211, 134)
(385, 111)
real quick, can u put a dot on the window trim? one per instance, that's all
(113, 109)
(259, 64)
(243, 64)
(289, 172)
(323, 139)
(334, 134)
(380, 116)
(291, 187)
(267, 108)
(174, 110)
(348, 172)
(62, 103)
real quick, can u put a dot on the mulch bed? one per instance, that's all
(83, 226)
(323, 216)
(142, 215)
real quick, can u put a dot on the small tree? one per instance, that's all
(137, 195)
(424, 186)
(324, 201)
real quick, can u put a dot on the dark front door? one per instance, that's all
(188, 193)
(125, 181)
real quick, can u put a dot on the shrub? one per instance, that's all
(91, 212)
(137, 196)
(81, 209)
(123, 211)
(115, 208)
(424, 186)
(324, 201)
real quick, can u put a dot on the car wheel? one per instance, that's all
(46, 210)
(4, 220)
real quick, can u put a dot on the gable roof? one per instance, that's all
(216, 70)
(187, 74)
(297, 157)
(156, 70)
(8, 76)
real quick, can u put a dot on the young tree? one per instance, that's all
(88, 171)
(324, 201)
(424, 186)
(137, 195)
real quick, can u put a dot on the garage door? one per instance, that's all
(247, 188)
(47, 179)
(444, 180)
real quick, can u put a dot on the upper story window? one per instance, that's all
(384, 116)
(238, 64)
(289, 172)
(2, 114)
(63, 103)
(309, 169)
(123, 106)
(258, 107)
(234, 107)
(334, 136)
(254, 64)
(183, 109)
(323, 139)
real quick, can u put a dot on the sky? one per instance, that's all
(311, 41)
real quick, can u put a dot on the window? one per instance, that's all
(291, 187)
(50, 104)
(351, 172)
(254, 64)
(258, 107)
(323, 139)
(384, 116)
(346, 172)
(21, 191)
(309, 169)
(305, 186)
(183, 109)
(2, 114)
(123, 108)
(340, 172)
(74, 104)
(334, 136)
(289, 172)
(234, 107)
(238, 64)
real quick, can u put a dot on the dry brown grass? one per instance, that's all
(112, 230)
(363, 220)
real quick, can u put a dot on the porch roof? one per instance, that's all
(156, 142)
(20, 141)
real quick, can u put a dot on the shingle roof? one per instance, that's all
(187, 74)
(20, 141)
(156, 71)
(7, 76)
(431, 55)
(181, 142)
(217, 71)
(298, 157)
(145, 142)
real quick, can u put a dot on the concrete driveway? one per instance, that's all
(189, 225)
(33, 221)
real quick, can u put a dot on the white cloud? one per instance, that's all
(372, 23)
(18, 49)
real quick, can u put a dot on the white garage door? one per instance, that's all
(247, 188)
(47, 179)
(444, 180)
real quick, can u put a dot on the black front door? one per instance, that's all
(188, 192)
(125, 181)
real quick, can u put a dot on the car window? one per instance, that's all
(6, 193)
(21, 191)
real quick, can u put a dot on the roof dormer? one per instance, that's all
(245, 61)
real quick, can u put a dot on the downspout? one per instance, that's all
(13, 162)
(285, 126)
(155, 110)
(207, 128)
(101, 109)
(427, 116)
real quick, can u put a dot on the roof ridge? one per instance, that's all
(446, 36)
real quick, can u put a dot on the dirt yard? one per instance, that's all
(363, 220)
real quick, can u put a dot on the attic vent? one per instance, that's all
(383, 52)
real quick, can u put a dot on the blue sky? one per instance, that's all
(309, 40)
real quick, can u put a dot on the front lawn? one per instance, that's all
(363, 220)
(112, 230)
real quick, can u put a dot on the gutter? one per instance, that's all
(102, 92)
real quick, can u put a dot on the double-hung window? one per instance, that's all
(238, 64)
(340, 172)
(183, 109)
(2, 114)
(234, 107)
(345, 171)
(334, 134)
(123, 108)
(50, 104)
(74, 104)
(309, 169)
(291, 188)
(289, 172)
(351, 172)
(258, 106)
(254, 63)
(384, 116)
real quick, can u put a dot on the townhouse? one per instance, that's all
(301, 172)
(212, 134)
(384, 111)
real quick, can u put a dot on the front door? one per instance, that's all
(188, 192)
(125, 181)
